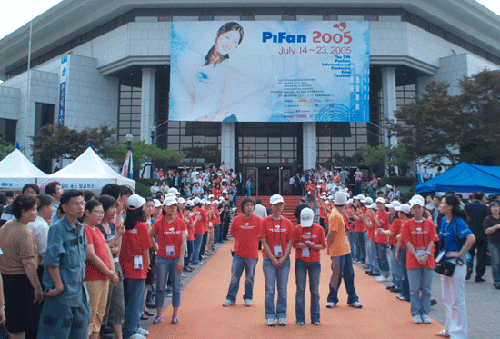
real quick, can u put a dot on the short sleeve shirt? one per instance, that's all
(340, 245)
(18, 243)
(246, 236)
(96, 238)
(134, 243)
(199, 226)
(315, 234)
(40, 230)
(419, 234)
(448, 234)
(277, 233)
(396, 228)
(169, 237)
(359, 225)
(383, 218)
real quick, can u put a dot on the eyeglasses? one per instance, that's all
(98, 212)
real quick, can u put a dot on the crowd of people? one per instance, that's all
(77, 265)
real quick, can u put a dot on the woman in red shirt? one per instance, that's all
(99, 267)
(134, 259)
(171, 237)
(419, 234)
(216, 191)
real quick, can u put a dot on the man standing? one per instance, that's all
(260, 210)
(339, 250)
(477, 212)
(358, 176)
(303, 204)
(54, 189)
(66, 312)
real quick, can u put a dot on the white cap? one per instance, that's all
(224, 192)
(169, 195)
(350, 202)
(157, 203)
(388, 186)
(203, 201)
(211, 196)
(405, 208)
(359, 197)
(196, 201)
(340, 198)
(190, 203)
(306, 217)
(393, 204)
(221, 199)
(276, 199)
(373, 206)
(320, 181)
(417, 200)
(368, 200)
(181, 200)
(380, 199)
(170, 201)
(135, 201)
(173, 190)
(208, 202)
(330, 197)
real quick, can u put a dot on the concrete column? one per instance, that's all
(309, 140)
(389, 99)
(228, 144)
(147, 103)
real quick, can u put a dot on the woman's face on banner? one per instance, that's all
(226, 43)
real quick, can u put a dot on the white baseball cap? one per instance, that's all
(211, 196)
(190, 203)
(157, 203)
(350, 202)
(208, 202)
(170, 201)
(417, 200)
(359, 197)
(196, 201)
(380, 199)
(373, 206)
(368, 200)
(169, 195)
(306, 217)
(340, 198)
(203, 201)
(276, 199)
(135, 201)
(405, 208)
(181, 200)
(173, 190)
(393, 204)
(388, 186)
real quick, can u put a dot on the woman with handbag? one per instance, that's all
(453, 228)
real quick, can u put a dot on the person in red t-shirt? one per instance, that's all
(419, 234)
(357, 211)
(400, 255)
(134, 259)
(211, 220)
(276, 235)
(309, 239)
(170, 236)
(381, 220)
(99, 267)
(371, 251)
(200, 218)
(245, 230)
(395, 225)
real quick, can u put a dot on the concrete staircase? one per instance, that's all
(291, 201)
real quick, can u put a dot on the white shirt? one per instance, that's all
(260, 211)
(40, 230)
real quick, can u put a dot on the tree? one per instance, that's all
(389, 155)
(142, 154)
(59, 141)
(5, 148)
(458, 128)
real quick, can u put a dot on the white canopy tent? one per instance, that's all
(16, 171)
(88, 171)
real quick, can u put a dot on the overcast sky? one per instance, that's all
(18, 12)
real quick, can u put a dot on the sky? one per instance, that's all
(18, 12)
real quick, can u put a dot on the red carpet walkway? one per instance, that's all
(203, 316)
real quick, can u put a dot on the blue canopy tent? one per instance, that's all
(464, 178)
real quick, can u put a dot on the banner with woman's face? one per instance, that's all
(270, 71)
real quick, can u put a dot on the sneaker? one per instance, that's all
(417, 319)
(330, 304)
(228, 303)
(381, 278)
(426, 319)
(158, 319)
(316, 322)
(281, 322)
(356, 304)
(300, 322)
(175, 320)
(142, 331)
(271, 322)
(388, 287)
(395, 290)
(137, 336)
(248, 302)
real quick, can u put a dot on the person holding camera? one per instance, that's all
(453, 228)
(419, 235)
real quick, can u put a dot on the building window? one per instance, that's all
(44, 115)
(337, 142)
(8, 130)
(129, 118)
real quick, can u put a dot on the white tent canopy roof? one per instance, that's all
(88, 171)
(16, 171)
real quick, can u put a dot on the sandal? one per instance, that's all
(158, 319)
(144, 316)
(442, 333)
(149, 314)
(175, 320)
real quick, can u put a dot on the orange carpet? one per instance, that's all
(202, 315)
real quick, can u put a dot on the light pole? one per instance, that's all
(129, 138)
(152, 129)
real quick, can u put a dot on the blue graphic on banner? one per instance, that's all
(270, 71)
(62, 90)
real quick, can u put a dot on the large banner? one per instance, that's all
(262, 71)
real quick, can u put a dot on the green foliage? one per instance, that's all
(398, 181)
(142, 189)
(5, 148)
(458, 128)
(56, 141)
(389, 155)
(142, 154)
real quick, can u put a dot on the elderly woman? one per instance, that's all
(18, 265)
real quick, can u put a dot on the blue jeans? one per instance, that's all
(381, 254)
(420, 289)
(350, 237)
(372, 253)
(359, 243)
(217, 234)
(240, 264)
(163, 267)
(405, 286)
(371, 191)
(495, 262)
(198, 238)
(302, 268)
(203, 244)
(276, 277)
(134, 304)
(189, 254)
(396, 272)
(342, 268)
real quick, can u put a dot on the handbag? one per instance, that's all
(443, 266)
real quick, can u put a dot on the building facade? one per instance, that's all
(94, 64)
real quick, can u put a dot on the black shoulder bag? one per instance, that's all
(443, 266)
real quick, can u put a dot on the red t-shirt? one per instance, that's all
(199, 226)
(277, 233)
(96, 238)
(216, 192)
(383, 218)
(211, 219)
(134, 243)
(348, 224)
(419, 234)
(246, 236)
(370, 234)
(310, 189)
(314, 234)
(169, 234)
(396, 229)
(217, 216)
(190, 236)
(322, 212)
(359, 225)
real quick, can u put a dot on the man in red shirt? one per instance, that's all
(381, 220)
(245, 229)
(200, 219)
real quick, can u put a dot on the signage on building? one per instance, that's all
(314, 71)
(62, 89)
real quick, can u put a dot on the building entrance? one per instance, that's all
(268, 180)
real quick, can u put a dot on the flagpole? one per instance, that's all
(28, 82)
